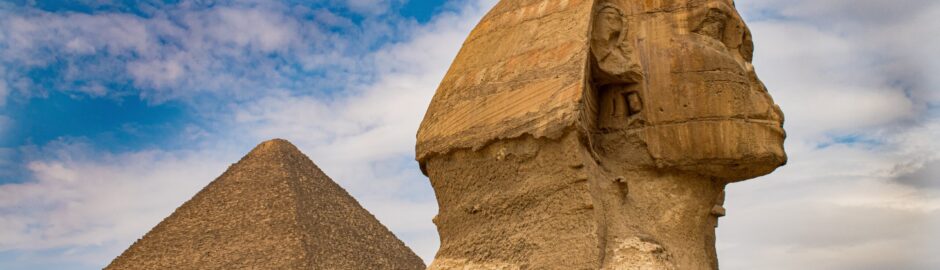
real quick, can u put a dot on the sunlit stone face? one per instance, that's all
(696, 103)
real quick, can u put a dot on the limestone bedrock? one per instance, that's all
(580, 134)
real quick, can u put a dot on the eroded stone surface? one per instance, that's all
(521, 71)
(596, 135)
(274, 209)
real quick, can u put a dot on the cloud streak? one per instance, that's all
(87, 202)
(857, 95)
(186, 50)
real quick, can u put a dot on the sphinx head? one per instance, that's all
(593, 123)
(677, 90)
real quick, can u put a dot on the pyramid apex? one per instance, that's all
(276, 142)
(273, 146)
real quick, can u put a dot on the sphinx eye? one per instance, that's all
(713, 25)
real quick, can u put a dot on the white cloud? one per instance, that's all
(331, 19)
(837, 207)
(369, 7)
(842, 68)
(179, 51)
(895, 37)
(265, 31)
(80, 200)
(918, 145)
(76, 33)
(159, 73)
(4, 89)
(823, 81)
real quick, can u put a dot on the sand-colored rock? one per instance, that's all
(595, 135)
(274, 209)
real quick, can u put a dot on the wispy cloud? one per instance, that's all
(809, 67)
(188, 49)
(4, 91)
(854, 80)
(83, 200)
(894, 37)
(369, 7)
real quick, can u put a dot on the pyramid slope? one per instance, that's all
(274, 209)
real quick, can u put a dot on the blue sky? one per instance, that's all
(119, 114)
(89, 96)
(112, 113)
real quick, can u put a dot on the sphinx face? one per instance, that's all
(697, 104)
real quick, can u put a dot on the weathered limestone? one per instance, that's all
(579, 134)
(274, 209)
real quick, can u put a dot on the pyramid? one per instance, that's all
(274, 209)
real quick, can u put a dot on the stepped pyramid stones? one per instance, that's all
(274, 209)
(595, 134)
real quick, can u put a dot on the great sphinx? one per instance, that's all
(595, 134)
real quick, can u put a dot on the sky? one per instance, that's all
(113, 113)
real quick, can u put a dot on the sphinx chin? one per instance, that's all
(729, 150)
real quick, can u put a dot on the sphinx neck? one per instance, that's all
(662, 216)
(542, 203)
